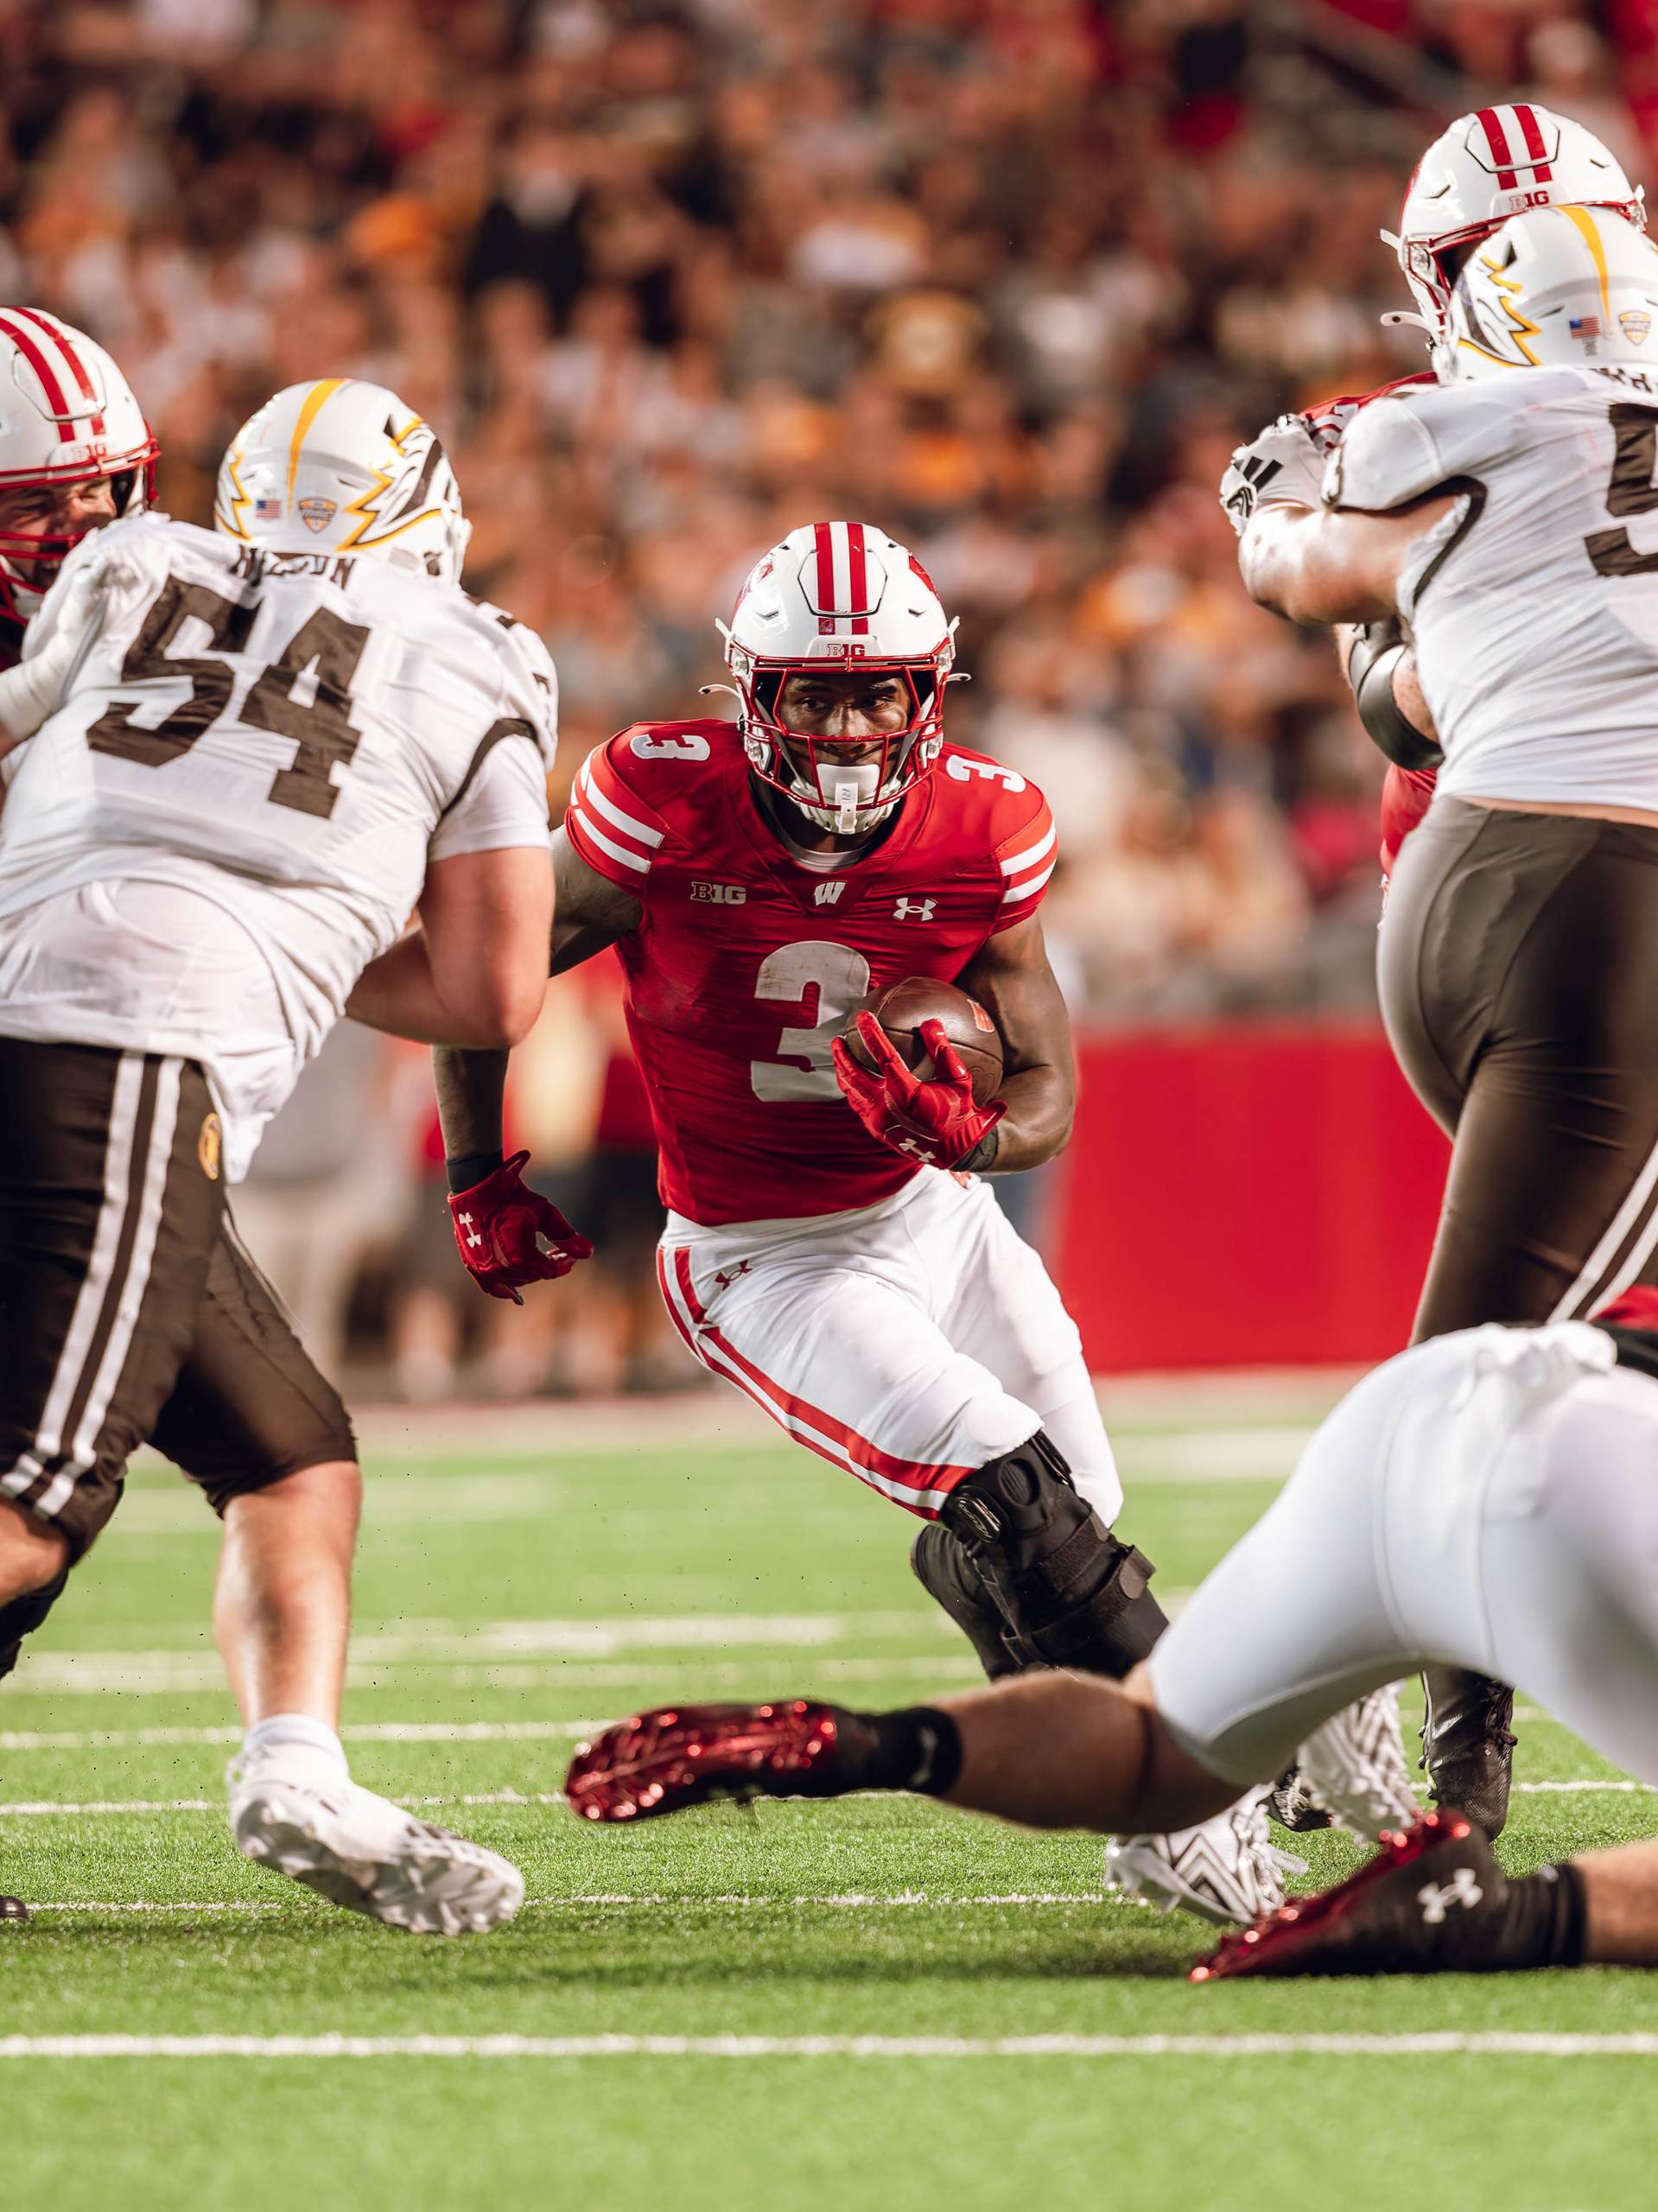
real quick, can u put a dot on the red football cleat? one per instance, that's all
(679, 1756)
(1426, 1902)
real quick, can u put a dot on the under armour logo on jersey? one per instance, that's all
(473, 1237)
(725, 1280)
(914, 910)
(1436, 1898)
(826, 893)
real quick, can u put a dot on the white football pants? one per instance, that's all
(1487, 1500)
(909, 1341)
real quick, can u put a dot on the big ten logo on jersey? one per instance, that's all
(961, 769)
(718, 894)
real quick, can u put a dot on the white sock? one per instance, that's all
(296, 1732)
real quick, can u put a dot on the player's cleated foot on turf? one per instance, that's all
(684, 1755)
(1433, 1898)
(1228, 1869)
(308, 1820)
(1468, 1744)
(1355, 1766)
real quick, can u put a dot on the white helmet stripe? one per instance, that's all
(841, 579)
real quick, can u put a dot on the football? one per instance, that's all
(902, 1007)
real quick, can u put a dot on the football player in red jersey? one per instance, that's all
(831, 1250)
(1487, 166)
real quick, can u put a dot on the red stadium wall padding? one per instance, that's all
(1246, 1197)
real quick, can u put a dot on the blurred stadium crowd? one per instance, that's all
(1008, 277)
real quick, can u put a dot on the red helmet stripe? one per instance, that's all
(1531, 131)
(24, 341)
(857, 582)
(1497, 139)
(88, 391)
(823, 539)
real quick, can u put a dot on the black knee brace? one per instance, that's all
(1070, 1593)
(945, 1572)
(22, 1617)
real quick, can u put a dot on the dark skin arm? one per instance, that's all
(1011, 980)
(589, 912)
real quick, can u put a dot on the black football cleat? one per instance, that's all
(1468, 1745)
(1432, 1900)
(684, 1755)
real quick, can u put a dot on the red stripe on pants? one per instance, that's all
(940, 1477)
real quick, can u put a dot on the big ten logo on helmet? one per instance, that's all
(719, 894)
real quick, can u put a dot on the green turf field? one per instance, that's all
(505, 1602)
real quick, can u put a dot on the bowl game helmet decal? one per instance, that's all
(340, 465)
(67, 415)
(1574, 287)
(840, 595)
(1488, 166)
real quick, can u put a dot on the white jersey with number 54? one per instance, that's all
(1534, 607)
(233, 809)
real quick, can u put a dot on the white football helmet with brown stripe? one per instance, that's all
(67, 415)
(845, 596)
(340, 465)
(1497, 162)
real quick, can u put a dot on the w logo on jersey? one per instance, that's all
(827, 894)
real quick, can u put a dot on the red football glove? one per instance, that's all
(499, 1225)
(937, 1120)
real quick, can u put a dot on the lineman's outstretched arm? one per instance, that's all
(1328, 564)
(1012, 981)
(589, 914)
(473, 973)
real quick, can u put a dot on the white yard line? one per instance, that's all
(585, 1901)
(164, 1674)
(381, 1731)
(50, 1808)
(1440, 2044)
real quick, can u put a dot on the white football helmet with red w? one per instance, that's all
(840, 595)
(1496, 162)
(67, 415)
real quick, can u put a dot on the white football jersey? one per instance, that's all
(232, 809)
(1534, 608)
